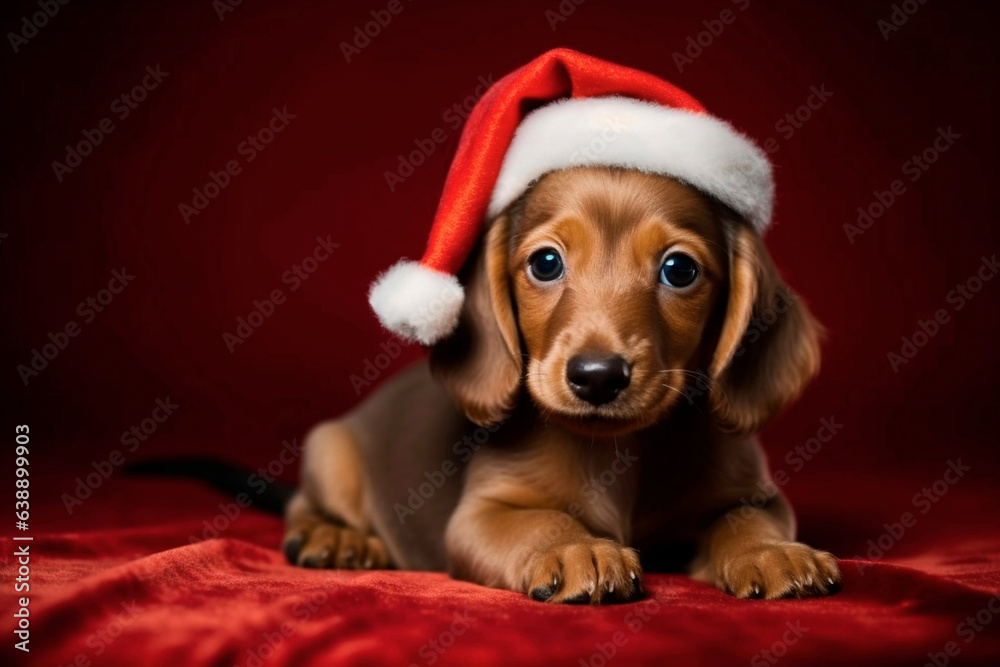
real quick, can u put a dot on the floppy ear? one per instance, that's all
(768, 348)
(480, 364)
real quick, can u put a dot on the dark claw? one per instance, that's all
(617, 598)
(292, 547)
(315, 560)
(637, 594)
(541, 593)
(834, 588)
(580, 598)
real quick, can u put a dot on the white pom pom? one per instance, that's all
(417, 303)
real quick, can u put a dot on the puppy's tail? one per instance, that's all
(223, 476)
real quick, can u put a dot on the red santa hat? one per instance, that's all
(563, 109)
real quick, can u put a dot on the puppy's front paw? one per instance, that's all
(772, 570)
(326, 545)
(584, 572)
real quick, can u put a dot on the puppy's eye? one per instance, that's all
(678, 270)
(545, 265)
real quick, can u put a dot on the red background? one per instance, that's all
(324, 175)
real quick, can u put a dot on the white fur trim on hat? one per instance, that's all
(698, 149)
(417, 303)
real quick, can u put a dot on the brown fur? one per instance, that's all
(525, 486)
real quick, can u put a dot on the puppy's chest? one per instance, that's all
(636, 491)
(680, 488)
(603, 487)
(626, 487)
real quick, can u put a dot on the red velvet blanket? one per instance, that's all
(137, 591)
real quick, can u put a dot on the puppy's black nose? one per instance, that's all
(597, 379)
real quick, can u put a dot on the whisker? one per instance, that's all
(672, 387)
(700, 375)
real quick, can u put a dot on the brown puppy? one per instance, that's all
(596, 307)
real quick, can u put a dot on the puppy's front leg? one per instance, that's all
(545, 553)
(749, 552)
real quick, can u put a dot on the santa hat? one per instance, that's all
(563, 109)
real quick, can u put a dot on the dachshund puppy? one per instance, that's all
(598, 400)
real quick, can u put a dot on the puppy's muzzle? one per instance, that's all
(596, 378)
